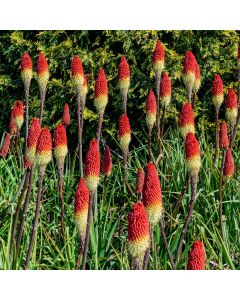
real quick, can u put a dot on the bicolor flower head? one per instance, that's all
(77, 73)
(165, 89)
(189, 66)
(158, 58)
(228, 168)
(107, 162)
(151, 110)
(12, 126)
(138, 232)
(101, 92)
(18, 114)
(197, 82)
(124, 132)
(123, 75)
(44, 148)
(197, 257)
(66, 115)
(217, 91)
(140, 181)
(27, 164)
(92, 165)
(152, 194)
(192, 151)
(60, 144)
(186, 120)
(231, 106)
(81, 204)
(26, 69)
(223, 139)
(33, 135)
(5, 145)
(42, 72)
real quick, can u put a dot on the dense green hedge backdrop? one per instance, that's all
(214, 50)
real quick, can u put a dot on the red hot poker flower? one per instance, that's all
(189, 66)
(77, 72)
(42, 71)
(138, 232)
(107, 162)
(186, 120)
(18, 114)
(26, 69)
(5, 145)
(81, 205)
(140, 181)
(101, 92)
(158, 58)
(33, 135)
(151, 110)
(66, 115)
(165, 89)
(44, 148)
(217, 91)
(123, 75)
(84, 91)
(12, 126)
(228, 169)
(197, 257)
(197, 82)
(223, 141)
(152, 194)
(192, 151)
(231, 105)
(60, 144)
(124, 132)
(92, 166)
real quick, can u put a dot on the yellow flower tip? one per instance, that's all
(188, 79)
(217, 101)
(124, 84)
(154, 212)
(194, 164)
(43, 158)
(100, 103)
(81, 222)
(150, 119)
(125, 141)
(137, 248)
(92, 182)
(158, 66)
(61, 152)
(184, 130)
(18, 120)
(231, 115)
(165, 101)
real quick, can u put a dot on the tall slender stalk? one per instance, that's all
(157, 87)
(149, 144)
(60, 187)
(194, 178)
(79, 114)
(78, 261)
(146, 256)
(220, 194)
(163, 121)
(216, 141)
(25, 208)
(36, 217)
(99, 129)
(193, 101)
(86, 242)
(125, 156)
(14, 228)
(42, 100)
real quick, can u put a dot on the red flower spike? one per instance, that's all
(231, 105)
(66, 115)
(81, 205)
(12, 126)
(26, 69)
(124, 132)
(140, 181)
(18, 114)
(189, 65)
(44, 148)
(27, 164)
(228, 169)
(5, 145)
(123, 75)
(223, 140)
(151, 110)
(192, 151)
(217, 91)
(33, 135)
(197, 257)
(92, 166)
(186, 120)
(60, 144)
(42, 71)
(107, 162)
(158, 58)
(101, 92)
(77, 72)
(138, 232)
(152, 194)
(165, 89)
(197, 82)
